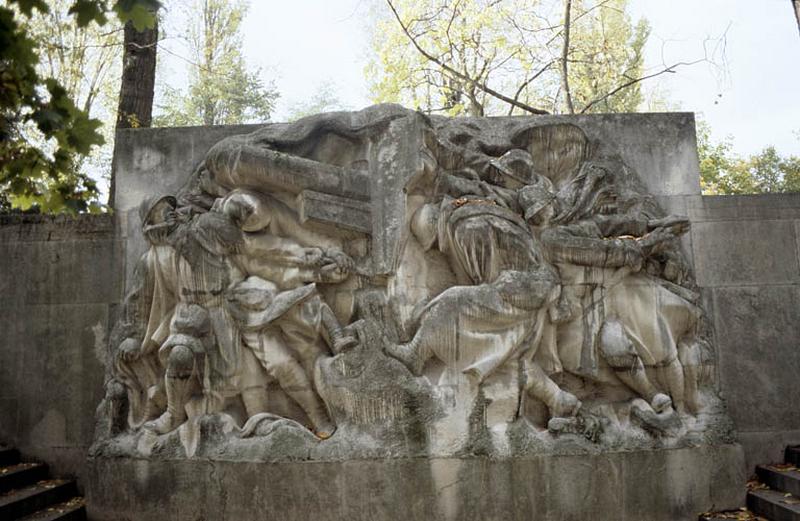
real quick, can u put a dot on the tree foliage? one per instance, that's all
(324, 99)
(724, 172)
(486, 57)
(43, 131)
(221, 91)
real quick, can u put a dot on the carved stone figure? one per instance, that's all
(406, 285)
(479, 327)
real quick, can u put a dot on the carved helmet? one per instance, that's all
(150, 203)
(535, 196)
(516, 166)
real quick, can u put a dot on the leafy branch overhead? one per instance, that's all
(40, 173)
(222, 89)
(483, 57)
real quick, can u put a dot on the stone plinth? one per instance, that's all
(665, 485)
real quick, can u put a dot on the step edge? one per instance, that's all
(765, 495)
(40, 490)
(69, 510)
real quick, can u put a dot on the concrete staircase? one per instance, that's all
(778, 496)
(27, 492)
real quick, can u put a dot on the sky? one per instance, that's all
(749, 91)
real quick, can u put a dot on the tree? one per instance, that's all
(138, 77)
(324, 99)
(43, 132)
(222, 91)
(724, 172)
(515, 56)
(137, 86)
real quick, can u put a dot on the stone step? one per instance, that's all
(793, 455)
(72, 510)
(25, 501)
(21, 475)
(8, 456)
(784, 477)
(732, 515)
(774, 505)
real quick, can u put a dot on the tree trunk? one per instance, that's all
(796, 5)
(565, 57)
(136, 90)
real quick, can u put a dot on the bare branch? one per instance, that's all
(480, 85)
(598, 6)
(670, 69)
(528, 82)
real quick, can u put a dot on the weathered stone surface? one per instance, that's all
(669, 485)
(754, 303)
(759, 368)
(350, 214)
(766, 446)
(740, 252)
(253, 276)
(59, 277)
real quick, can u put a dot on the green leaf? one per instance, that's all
(86, 11)
(141, 13)
(27, 6)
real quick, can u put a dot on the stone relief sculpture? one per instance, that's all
(384, 283)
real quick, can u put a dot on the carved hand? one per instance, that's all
(332, 273)
(676, 224)
(657, 240)
(341, 259)
(313, 257)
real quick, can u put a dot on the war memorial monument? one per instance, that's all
(385, 315)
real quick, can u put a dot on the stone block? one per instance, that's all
(36, 227)
(668, 485)
(14, 271)
(764, 447)
(577, 487)
(744, 207)
(662, 148)
(61, 380)
(9, 414)
(350, 214)
(727, 464)
(159, 160)
(10, 352)
(757, 329)
(73, 272)
(745, 252)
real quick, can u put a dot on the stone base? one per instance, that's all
(655, 485)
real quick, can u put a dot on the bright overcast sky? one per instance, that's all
(301, 44)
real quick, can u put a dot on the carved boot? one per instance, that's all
(175, 415)
(637, 380)
(342, 340)
(562, 404)
(315, 410)
(674, 378)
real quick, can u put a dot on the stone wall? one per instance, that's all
(59, 281)
(746, 252)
